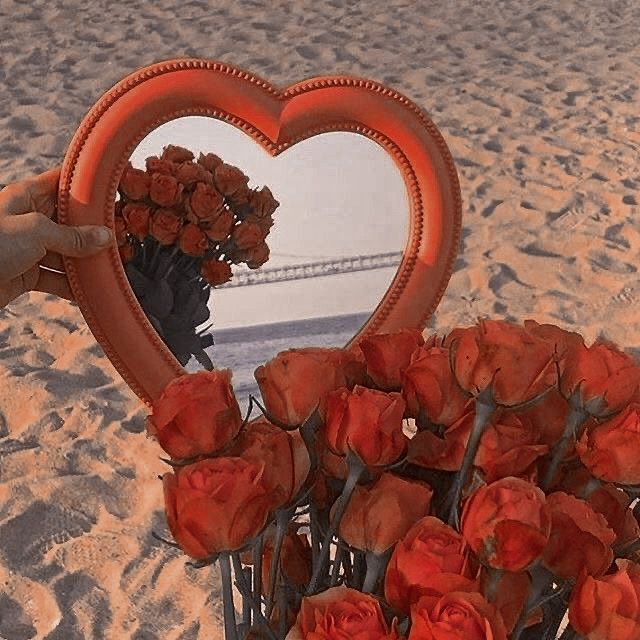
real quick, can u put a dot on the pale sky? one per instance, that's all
(340, 194)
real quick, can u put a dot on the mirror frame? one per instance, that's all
(276, 119)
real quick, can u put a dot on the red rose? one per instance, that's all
(507, 524)
(209, 161)
(188, 173)
(216, 272)
(607, 378)
(580, 538)
(192, 240)
(156, 165)
(429, 386)
(263, 203)
(380, 514)
(429, 548)
(220, 227)
(456, 616)
(136, 217)
(295, 382)
(165, 190)
(247, 235)
(257, 256)
(204, 204)
(339, 613)
(229, 179)
(134, 183)
(519, 364)
(165, 226)
(608, 608)
(173, 153)
(367, 422)
(562, 339)
(611, 449)
(388, 355)
(197, 413)
(548, 417)
(265, 223)
(120, 230)
(215, 505)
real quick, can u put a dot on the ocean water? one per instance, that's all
(243, 349)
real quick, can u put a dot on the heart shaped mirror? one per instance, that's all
(250, 220)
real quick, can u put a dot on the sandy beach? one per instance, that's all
(539, 107)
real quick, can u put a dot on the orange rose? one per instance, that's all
(165, 226)
(339, 613)
(197, 413)
(247, 235)
(519, 364)
(580, 538)
(366, 422)
(562, 339)
(611, 450)
(216, 272)
(120, 230)
(429, 548)
(507, 524)
(388, 355)
(165, 190)
(380, 514)
(608, 608)
(188, 173)
(257, 256)
(204, 204)
(136, 217)
(215, 505)
(134, 183)
(229, 179)
(192, 240)
(456, 616)
(295, 382)
(429, 386)
(262, 202)
(607, 378)
(283, 453)
(156, 165)
(173, 153)
(220, 227)
(209, 161)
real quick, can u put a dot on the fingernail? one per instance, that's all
(102, 236)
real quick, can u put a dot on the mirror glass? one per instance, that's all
(338, 231)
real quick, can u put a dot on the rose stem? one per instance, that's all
(356, 468)
(282, 522)
(485, 406)
(245, 624)
(335, 567)
(570, 634)
(491, 586)
(258, 548)
(358, 569)
(540, 580)
(376, 562)
(230, 631)
(577, 415)
(315, 536)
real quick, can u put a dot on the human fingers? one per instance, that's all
(37, 193)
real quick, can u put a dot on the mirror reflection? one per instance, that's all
(236, 255)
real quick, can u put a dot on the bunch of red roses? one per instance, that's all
(471, 487)
(180, 225)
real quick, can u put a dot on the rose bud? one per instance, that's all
(518, 365)
(190, 173)
(216, 272)
(257, 256)
(380, 514)
(429, 548)
(580, 538)
(197, 413)
(156, 165)
(606, 378)
(456, 616)
(165, 226)
(611, 449)
(165, 190)
(220, 227)
(120, 230)
(173, 153)
(215, 505)
(136, 217)
(367, 423)
(263, 204)
(562, 340)
(608, 608)
(209, 161)
(388, 354)
(192, 240)
(284, 454)
(229, 179)
(126, 253)
(429, 386)
(204, 204)
(296, 382)
(134, 183)
(507, 524)
(339, 613)
(247, 235)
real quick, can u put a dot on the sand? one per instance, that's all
(539, 107)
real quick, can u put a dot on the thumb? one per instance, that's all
(77, 242)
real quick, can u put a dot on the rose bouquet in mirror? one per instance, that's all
(478, 486)
(180, 224)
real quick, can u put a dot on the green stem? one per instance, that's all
(376, 564)
(230, 631)
(282, 522)
(540, 580)
(257, 568)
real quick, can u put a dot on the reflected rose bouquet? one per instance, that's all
(181, 224)
(477, 486)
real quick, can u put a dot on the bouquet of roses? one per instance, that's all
(180, 225)
(471, 487)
